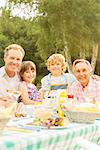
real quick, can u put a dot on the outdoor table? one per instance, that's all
(49, 139)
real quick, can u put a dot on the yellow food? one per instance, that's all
(60, 112)
(89, 109)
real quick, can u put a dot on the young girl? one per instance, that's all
(29, 92)
(57, 79)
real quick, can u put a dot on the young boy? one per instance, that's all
(56, 79)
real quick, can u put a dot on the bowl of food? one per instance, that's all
(80, 117)
(33, 110)
(50, 122)
(81, 113)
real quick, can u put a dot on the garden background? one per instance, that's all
(70, 27)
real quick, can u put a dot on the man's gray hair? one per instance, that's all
(14, 47)
(83, 61)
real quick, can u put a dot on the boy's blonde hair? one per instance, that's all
(25, 66)
(13, 47)
(58, 57)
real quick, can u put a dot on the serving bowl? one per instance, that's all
(80, 117)
(81, 113)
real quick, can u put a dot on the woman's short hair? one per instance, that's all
(58, 57)
(25, 66)
(13, 47)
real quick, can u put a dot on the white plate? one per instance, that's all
(32, 127)
(24, 124)
(16, 121)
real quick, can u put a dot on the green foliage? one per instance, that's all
(20, 1)
(22, 32)
(76, 22)
(73, 21)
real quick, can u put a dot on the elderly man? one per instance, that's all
(87, 87)
(9, 78)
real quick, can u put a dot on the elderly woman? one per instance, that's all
(87, 87)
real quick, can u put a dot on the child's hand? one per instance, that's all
(41, 94)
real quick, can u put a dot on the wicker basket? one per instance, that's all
(80, 117)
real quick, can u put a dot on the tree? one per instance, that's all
(69, 27)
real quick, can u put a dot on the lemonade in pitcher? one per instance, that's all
(62, 98)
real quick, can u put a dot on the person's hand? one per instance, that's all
(6, 101)
(41, 94)
(96, 77)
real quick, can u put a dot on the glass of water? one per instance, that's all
(14, 94)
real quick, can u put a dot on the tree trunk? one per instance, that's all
(94, 57)
(68, 59)
(66, 50)
(82, 53)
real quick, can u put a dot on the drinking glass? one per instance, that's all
(3, 123)
(6, 114)
(14, 94)
(50, 99)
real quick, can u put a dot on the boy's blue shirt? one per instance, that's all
(67, 79)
